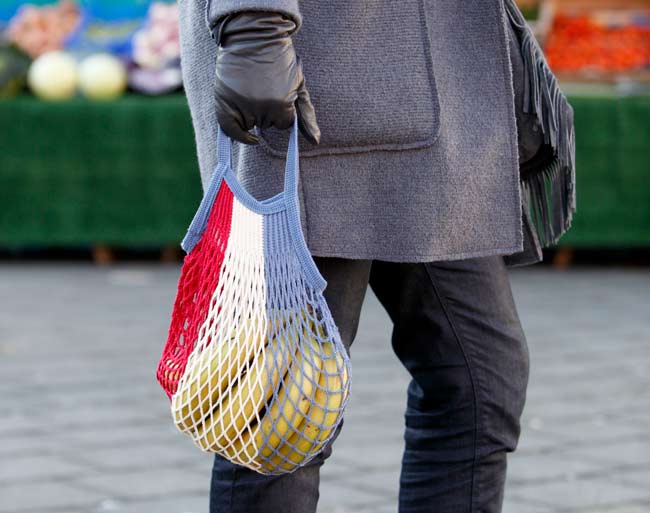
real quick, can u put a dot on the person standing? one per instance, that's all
(437, 152)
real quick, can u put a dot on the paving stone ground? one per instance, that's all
(84, 427)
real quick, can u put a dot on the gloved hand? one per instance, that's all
(259, 79)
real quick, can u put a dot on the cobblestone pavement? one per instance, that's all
(84, 427)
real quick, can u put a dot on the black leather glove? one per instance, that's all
(259, 79)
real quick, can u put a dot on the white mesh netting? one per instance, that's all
(268, 378)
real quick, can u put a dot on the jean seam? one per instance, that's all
(456, 331)
(232, 488)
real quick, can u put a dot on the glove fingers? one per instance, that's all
(233, 124)
(307, 115)
(275, 114)
(284, 119)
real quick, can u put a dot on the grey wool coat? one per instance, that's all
(444, 134)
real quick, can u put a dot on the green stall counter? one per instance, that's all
(612, 170)
(75, 173)
(125, 172)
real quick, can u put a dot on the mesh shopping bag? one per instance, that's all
(254, 364)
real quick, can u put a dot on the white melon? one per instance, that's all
(53, 76)
(102, 77)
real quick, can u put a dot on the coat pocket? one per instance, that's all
(369, 72)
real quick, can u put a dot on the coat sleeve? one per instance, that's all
(217, 9)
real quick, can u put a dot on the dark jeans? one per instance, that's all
(457, 332)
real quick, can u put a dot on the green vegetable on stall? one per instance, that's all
(14, 65)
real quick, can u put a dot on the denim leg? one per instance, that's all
(236, 489)
(457, 332)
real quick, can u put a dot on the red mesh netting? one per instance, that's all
(196, 286)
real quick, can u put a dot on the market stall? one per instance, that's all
(111, 160)
(97, 147)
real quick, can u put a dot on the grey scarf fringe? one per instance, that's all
(550, 191)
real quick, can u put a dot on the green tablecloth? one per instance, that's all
(76, 173)
(125, 172)
(613, 171)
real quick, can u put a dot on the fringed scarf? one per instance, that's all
(548, 178)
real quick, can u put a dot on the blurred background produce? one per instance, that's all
(599, 40)
(134, 42)
(156, 52)
(14, 64)
(37, 30)
(53, 76)
(102, 77)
